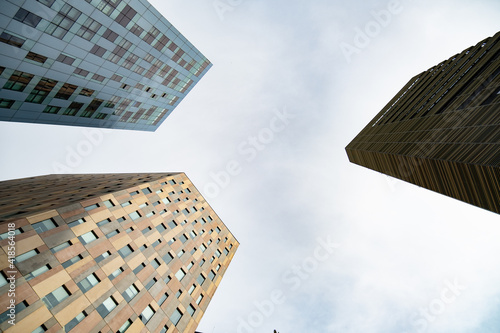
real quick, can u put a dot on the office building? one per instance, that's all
(442, 130)
(98, 63)
(109, 253)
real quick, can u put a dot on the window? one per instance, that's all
(107, 306)
(226, 251)
(183, 238)
(139, 268)
(170, 242)
(87, 92)
(125, 204)
(65, 59)
(63, 21)
(44, 225)
(36, 272)
(186, 211)
(18, 81)
(180, 274)
(71, 261)
(218, 230)
(11, 40)
(166, 200)
(151, 283)
(168, 257)
(47, 3)
(146, 190)
(211, 275)
(81, 72)
(88, 283)
(172, 224)
(192, 234)
(65, 93)
(6, 235)
(143, 205)
(157, 242)
(191, 264)
(98, 51)
(163, 299)
(191, 309)
(112, 233)
(199, 299)
(181, 253)
(178, 294)
(88, 29)
(218, 253)
(202, 262)
(167, 279)
(176, 316)
(103, 222)
(27, 18)
(200, 279)
(121, 219)
(75, 321)
(87, 238)
(203, 247)
(150, 214)
(130, 293)
(73, 109)
(134, 215)
(103, 256)
(6, 103)
(125, 326)
(56, 297)
(36, 57)
(60, 247)
(218, 267)
(110, 35)
(41, 90)
(113, 275)
(129, 230)
(101, 115)
(146, 315)
(210, 242)
(98, 77)
(125, 251)
(125, 16)
(191, 289)
(155, 263)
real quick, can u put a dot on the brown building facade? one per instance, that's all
(108, 253)
(442, 130)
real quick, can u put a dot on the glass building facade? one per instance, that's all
(442, 130)
(109, 253)
(98, 63)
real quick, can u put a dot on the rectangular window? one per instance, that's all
(6, 103)
(183, 238)
(52, 109)
(18, 81)
(163, 299)
(109, 203)
(146, 315)
(88, 29)
(172, 224)
(88, 237)
(27, 18)
(191, 289)
(6, 235)
(107, 306)
(75, 321)
(125, 326)
(151, 283)
(73, 109)
(11, 40)
(66, 59)
(176, 316)
(44, 225)
(63, 21)
(98, 51)
(115, 274)
(199, 299)
(139, 268)
(180, 274)
(191, 310)
(203, 247)
(37, 272)
(110, 35)
(155, 263)
(81, 72)
(200, 279)
(134, 215)
(88, 283)
(56, 297)
(66, 91)
(130, 293)
(36, 57)
(211, 275)
(47, 3)
(103, 222)
(168, 257)
(181, 253)
(166, 201)
(73, 260)
(41, 90)
(112, 233)
(103, 256)
(202, 262)
(86, 92)
(125, 251)
(125, 204)
(60, 247)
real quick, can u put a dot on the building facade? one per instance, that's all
(108, 253)
(442, 130)
(99, 63)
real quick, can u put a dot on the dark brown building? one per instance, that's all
(442, 130)
(108, 253)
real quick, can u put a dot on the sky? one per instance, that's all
(325, 245)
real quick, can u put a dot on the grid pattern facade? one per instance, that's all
(442, 130)
(130, 252)
(99, 63)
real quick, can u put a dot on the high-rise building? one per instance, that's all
(98, 63)
(442, 130)
(108, 253)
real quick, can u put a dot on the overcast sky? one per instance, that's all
(326, 245)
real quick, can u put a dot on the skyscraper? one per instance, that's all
(98, 63)
(108, 253)
(442, 130)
